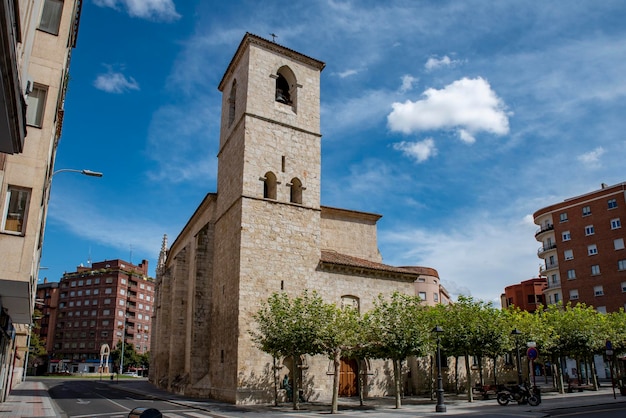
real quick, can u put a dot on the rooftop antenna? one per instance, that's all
(274, 36)
(131, 254)
(89, 257)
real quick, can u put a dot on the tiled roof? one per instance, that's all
(333, 257)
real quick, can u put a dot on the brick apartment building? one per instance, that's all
(583, 249)
(47, 303)
(527, 295)
(98, 305)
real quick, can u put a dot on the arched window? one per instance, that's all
(269, 186)
(296, 191)
(231, 103)
(349, 301)
(286, 86)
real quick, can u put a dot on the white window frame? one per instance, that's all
(595, 270)
(573, 294)
(612, 203)
(616, 223)
(598, 290)
(15, 214)
(621, 265)
(592, 249)
(51, 16)
(35, 105)
(563, 217)
(571, 274)
(589, 230)
(586, 210)
(568, 254)
(623, 287)
(566, 236)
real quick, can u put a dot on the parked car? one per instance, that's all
(132, 374)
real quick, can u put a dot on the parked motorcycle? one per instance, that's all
(519, 393)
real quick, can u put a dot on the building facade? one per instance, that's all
(582, 245)
(527, 295)
(36, 38)
(98, 305)
(265, 231)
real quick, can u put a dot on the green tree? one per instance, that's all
(292, 328)
(397, 329)
(131, 358)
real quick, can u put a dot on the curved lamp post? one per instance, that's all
(72, 170)
(516, 333)
(441, 406)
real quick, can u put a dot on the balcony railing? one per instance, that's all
(555, 285)
(543, 249)
(548, 267)
(543, 229)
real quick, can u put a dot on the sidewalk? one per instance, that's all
(31, 399)
(28, 399)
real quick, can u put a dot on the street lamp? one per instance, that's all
(516, 333)
(85, 172)
(441, 407)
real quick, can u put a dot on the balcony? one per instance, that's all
(543, 249)
(543, 229)
(549, 266)
(556, 285)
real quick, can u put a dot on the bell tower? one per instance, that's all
(267, 213)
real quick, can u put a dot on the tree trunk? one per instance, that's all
(456, 374)
(397, 371)
(495, 371)
(337, 367)
(295, 391)
(431, 384)
(275, 383)
(594, 377)
(481, 378)
(468, 370)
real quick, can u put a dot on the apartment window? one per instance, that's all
(80, 282)
(568, 254)
(109, 280)
(14, 219)
(598, 290)
(86, 302)
(96, 291)
(618, 244)
(148, 298)
(601, 309)
(96, 281)
(105, 323)
(142, 286)
(105, 334)
(422, 295)
(573, 294)
(595, 270)
(80, 292)
(122, 302)
(141, 296)
(623, 287)
(107, 301)
(566, 236)
(88, 282)
(106, 312)
(51, 16)
(616, 223)
(72, 293)
(71, 304)
(122, 292)
(121, 313)
(555, 280)
(107, 291)
(94, 313)
(621, 265)
(563, 217)
(592, 249)
(35, 104)
(586, 210)
(589, 230)
(571, 274)
(612, 203)
(557, 297)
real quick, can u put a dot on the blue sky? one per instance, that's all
(455, 120)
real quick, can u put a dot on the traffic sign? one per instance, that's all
(532, 353)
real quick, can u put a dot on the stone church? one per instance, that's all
(265, 231)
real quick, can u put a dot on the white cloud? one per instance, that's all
(592, 158)
(484, 254)
(435, 63)
(114, 82)
(407, 83)
(420, 151)
(468, 105)
(160, 10)
(347, 73)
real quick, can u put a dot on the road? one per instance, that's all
(92, 398)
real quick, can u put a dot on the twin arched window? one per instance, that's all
(270, 187)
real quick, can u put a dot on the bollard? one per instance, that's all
(145, 413)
